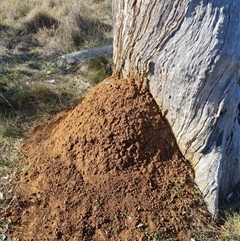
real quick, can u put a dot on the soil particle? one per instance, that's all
(109, 169)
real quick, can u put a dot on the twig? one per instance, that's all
(8, 103)
(11, 201)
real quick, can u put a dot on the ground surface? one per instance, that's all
(108, 169)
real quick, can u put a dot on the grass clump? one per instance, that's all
(29, 100)
(57, 26)
(39, 21)
(98, 69)
(11, 127)
(231, 227)
(157, 236)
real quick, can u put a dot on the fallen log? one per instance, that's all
(85, 55)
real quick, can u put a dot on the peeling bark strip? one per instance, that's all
(190, 52)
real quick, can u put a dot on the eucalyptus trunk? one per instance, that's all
(189, 51)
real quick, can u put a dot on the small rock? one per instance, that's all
(51, 81)
(6, 177)
(140, 225)
(2, 196)
(229, 195)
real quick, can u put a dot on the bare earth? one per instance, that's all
(109, 169)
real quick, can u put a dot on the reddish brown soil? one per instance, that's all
(109, 169)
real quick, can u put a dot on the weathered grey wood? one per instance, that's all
(189, 50)
(84, 55)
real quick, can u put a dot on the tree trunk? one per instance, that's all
(189, 51)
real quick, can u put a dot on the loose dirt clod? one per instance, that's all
(109, 169)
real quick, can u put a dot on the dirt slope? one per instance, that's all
(107, 170)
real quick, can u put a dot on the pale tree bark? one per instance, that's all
(189, 50)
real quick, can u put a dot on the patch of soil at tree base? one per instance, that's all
(109, 169)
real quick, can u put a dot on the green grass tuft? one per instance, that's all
(98, 69)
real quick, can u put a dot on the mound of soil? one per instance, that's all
(109, 169)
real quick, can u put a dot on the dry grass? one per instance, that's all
(58, 26)
(34, 84)
(231, 228)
